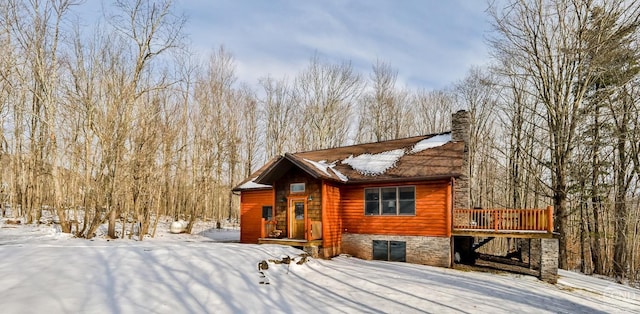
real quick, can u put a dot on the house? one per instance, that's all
(398, 200)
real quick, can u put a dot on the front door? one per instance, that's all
(297, 219)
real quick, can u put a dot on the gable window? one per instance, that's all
(390, 201)
(296, 187)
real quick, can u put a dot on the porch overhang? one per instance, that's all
(280, 167)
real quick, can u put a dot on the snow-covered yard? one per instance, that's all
(43, 271)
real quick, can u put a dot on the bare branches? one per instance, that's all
(564, 60)
(326, 93)
(384, 109)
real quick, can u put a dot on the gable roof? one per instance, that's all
(250, 184)
(409, 159)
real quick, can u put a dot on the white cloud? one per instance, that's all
(431, 44)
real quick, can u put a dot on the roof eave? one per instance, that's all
(259, 178)
(293, 160)
(303, 166)
(239, 189)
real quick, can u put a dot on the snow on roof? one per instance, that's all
(323, 166)
(431, 142)
(253, 185)
(340, 175)
(374, 164)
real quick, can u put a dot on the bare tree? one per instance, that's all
(384, 109)
(563, 56)
(477, 92)
(543, 40)
(216, 141)
(326, 93)
(35, 28)
(279, 112)
(432, 110)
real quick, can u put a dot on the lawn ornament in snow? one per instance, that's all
(179, 226)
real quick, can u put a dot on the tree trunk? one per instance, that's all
(583, 266)
(111, 229)
(620, 210)
(594, 234)
(560, 206)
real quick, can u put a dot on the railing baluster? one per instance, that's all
(505, 219)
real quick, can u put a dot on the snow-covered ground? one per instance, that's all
(43, 271)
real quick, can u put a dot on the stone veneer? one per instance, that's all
(460, 124)
(549, 260)
(534, 254)
(542, 255)
(433, 251)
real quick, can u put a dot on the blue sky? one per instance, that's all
(431, 43)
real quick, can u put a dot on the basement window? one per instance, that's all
(393, 251)
(390, 201)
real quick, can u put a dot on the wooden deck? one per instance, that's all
(291, 242)
(504, 234)
(270, 234)
(515, 223)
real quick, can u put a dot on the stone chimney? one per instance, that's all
(460, 124)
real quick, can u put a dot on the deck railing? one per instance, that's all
(314, 229)
(267, 226)
(504, 219)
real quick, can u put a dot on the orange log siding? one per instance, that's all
(331, 220)
(432, 216)
(251, 202)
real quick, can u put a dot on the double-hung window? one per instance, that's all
(390, 201)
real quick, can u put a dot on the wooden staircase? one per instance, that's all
(479, 242)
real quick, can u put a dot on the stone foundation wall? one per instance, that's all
(329, 252)
(433, 251)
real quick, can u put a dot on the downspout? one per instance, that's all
(453, 204)
(452, 185)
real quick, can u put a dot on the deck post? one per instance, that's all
(549, 260)
(550, 219)
(262, 235)
(495, 219)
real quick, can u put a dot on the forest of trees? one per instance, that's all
(124, 124)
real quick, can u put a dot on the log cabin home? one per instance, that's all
(399, 200)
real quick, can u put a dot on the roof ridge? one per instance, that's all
(368, 143)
